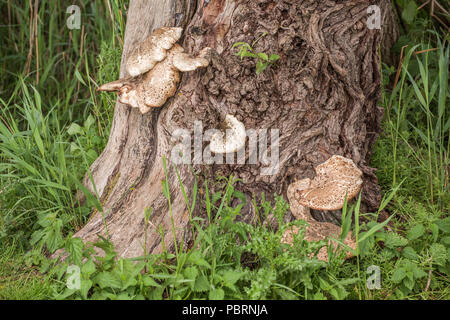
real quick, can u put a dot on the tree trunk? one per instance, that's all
(322, 95)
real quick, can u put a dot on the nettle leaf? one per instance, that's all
(108, 280)
(446, 241)
(88, 268)
(74, 247)
(418, 273)
(398, 275)
(37, 236)
(395, 240)
(191, 273)
(410, 253)
(443, 224)
(201, 284)
(196, 258)
(54, 237)
(216, 294)
(230, 277)
(85, 286)
(409, 281)
(415, 232)
(149, 282)
(74, 129)
(438, 253)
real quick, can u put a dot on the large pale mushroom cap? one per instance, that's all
(152, 50)
(335, 178)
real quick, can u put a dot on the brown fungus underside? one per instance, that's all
(322, 95)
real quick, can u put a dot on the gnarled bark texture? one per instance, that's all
(322, 95)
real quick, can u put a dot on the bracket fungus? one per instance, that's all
(231, 139)
(152, 50)
(335, 178)
(154, 67)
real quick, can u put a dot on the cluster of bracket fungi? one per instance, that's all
(336, 179)
(154, 68)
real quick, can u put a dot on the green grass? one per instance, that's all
(53, 126)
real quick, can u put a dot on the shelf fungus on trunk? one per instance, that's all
(335, 179)
(154, 67)
(231, 138)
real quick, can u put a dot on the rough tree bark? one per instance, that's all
(322, 95)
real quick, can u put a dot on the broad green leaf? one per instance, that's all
(398, 275)
(89, 122)
(201, 284)
(216, 294)
(409, 12)
(88, 268)
(74, 129)
(415, 232)
(85, 286)
(410, 253)
(108, 280)
(74, 247)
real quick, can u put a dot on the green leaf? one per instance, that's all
(415, 232)
(85, 286)
(260, 66)
(201, 284)
(88, 268)
(216, 294)
(230, 277)
(108, 280)
(191, 273)
(149, 282)
(74, 247)
(263, 56)
(319, 296)
(443, 224)
(274, 57)
(398, 275)
(409, 12)
(374, 229)
(79, 77)
(89, 122)
(438, 254)
(54, 238)
(410, 253)
(196, 258)
(239, 44)
(395, 240)
(418, 273)
(74, 129)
